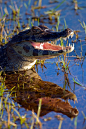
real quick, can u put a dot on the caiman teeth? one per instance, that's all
(72, 33)
(72, 47)
(69, 48)
(68, 37)
(41, 45)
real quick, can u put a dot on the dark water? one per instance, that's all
(77, 67)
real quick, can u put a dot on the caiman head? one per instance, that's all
(33, 44)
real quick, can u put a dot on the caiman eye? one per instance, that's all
(36, 29)
(43, 27)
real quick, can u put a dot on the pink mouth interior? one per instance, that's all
(46, 46)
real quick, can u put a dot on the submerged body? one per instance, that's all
(21, 52)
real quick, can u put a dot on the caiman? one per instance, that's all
(20, 54)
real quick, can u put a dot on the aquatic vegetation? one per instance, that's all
(79, 83)
(54, 12)
(75, 4)
(83, 25)
(75, 123)
(84, 116)
(58, 22)
(14, 17)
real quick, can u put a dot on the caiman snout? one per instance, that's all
(44, 34)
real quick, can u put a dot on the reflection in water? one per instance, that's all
(28, 88)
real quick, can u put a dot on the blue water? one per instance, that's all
(77, 67)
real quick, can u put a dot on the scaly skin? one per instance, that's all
(21, 52)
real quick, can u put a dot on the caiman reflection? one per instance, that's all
(20, 55)
(30, 88)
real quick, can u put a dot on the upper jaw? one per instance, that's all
(47, 35)
(69, 35)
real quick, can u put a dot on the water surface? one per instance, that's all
(51, 73)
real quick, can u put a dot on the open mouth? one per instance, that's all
(53, 47)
